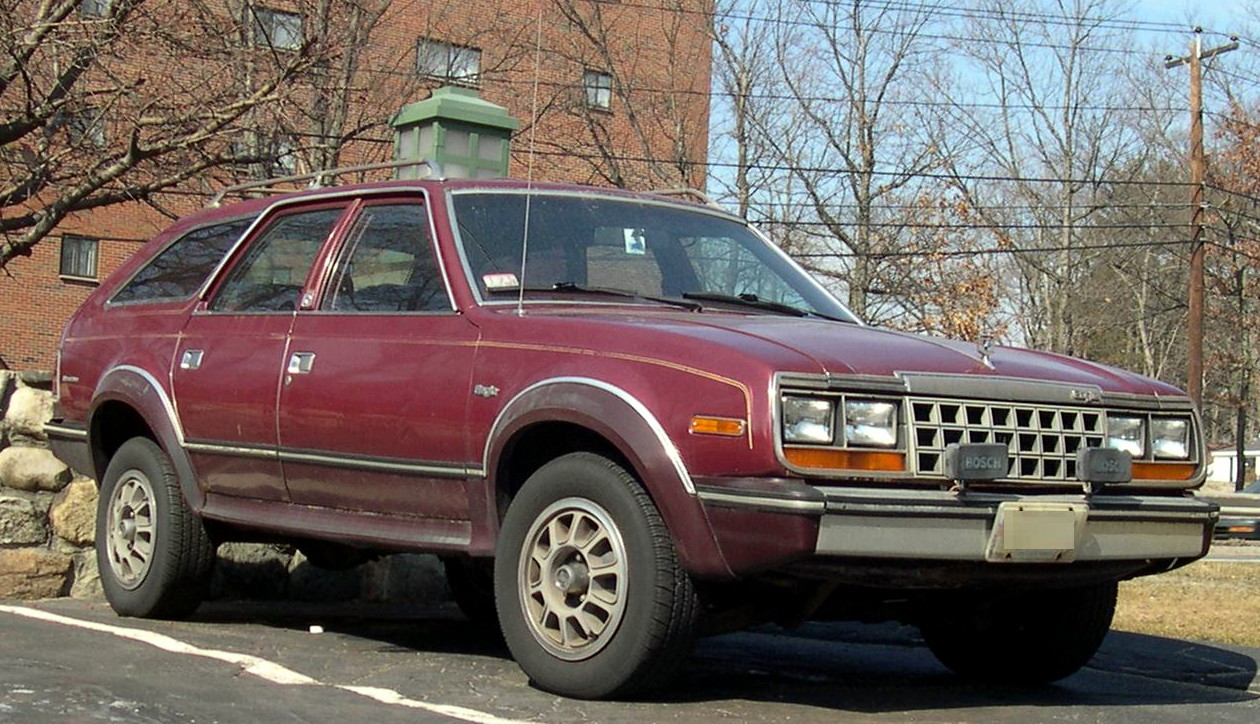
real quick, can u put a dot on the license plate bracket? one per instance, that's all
(1036, 532)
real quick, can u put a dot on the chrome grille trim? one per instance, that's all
(1042, 439)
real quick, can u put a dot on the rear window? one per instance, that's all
(181, 268)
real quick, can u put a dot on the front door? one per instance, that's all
(373, 403)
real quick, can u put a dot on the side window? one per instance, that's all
(270, 277)
(181, 268)
(388, 265)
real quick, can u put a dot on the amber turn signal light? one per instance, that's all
(724, 426)
(867, 460)
(1163, 471)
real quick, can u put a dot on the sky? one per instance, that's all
(1219, 15)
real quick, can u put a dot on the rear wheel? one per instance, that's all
(592, 600)
(1032, 638)
(154, 554)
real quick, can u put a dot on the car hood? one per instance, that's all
(821, 346)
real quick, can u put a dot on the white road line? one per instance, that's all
(259, 667)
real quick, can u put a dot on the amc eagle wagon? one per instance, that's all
(620, 419)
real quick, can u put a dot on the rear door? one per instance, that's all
(373, 405)
(230, 357)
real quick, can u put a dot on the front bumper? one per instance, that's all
(794, 521)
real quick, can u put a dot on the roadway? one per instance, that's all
(75, 661)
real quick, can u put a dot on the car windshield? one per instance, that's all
(637, 251)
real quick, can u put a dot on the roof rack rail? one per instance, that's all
(318, 178)
(685, 191)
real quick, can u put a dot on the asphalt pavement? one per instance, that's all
(75, 661)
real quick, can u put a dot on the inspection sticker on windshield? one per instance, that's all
(501, 280)
(635, 243)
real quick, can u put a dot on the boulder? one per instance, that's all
(308, 582)
(30, 573)
(6, 379)
(42, 379)
(29, 409)
(21, 522)
(33, 469)
(411, 577)
(73, 513)
(256, 571)
(87, 576)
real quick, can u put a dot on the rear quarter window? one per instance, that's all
(181, 268)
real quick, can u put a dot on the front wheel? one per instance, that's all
(154, 555)
(592, 600)
(1032, 638)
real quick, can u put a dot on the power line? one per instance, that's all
(492, 79)
(828, 170)
(987, 252)
(965, 227)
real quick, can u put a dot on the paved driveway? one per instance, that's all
(74, 661)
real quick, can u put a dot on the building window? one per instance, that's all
(598, 87)
(268, 156)
(95, 8)
(275, 29)
(78, 257)
(436, 59)
(86, 128)
(284, 155)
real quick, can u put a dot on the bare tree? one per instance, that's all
(1041, 120)
(628, 118)
(104, 108)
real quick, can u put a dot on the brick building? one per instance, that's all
(609, 92)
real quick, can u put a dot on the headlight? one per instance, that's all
(1127, 434)
(808, 419)
(870, 423)
(1170, 438)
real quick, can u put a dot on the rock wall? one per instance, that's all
(47, 511)
(48, 523)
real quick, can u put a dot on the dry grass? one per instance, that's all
(1217, 602)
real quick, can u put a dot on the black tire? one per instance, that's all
(471, 581)
(154, 554)
(612, 611)
(1033, 638)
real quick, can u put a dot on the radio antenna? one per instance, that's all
(529, 164)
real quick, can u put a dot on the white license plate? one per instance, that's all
(1036, 532)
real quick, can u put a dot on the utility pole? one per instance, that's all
(1198, 175)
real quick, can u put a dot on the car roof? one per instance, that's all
(255, 206)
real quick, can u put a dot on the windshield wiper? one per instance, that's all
(571, 288)
(755, 302)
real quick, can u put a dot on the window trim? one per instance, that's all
(213, 285)
(96, 9)
(597, 88)
(86, 126)
(448, 75)
(387, 197)
(344, 246)
(96, 259)
(260, 35)
(246, 219)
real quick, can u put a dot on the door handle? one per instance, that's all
(301, 362)
(191, 359)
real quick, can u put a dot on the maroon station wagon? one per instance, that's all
(621, 419)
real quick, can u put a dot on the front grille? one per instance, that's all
(1042, 440)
